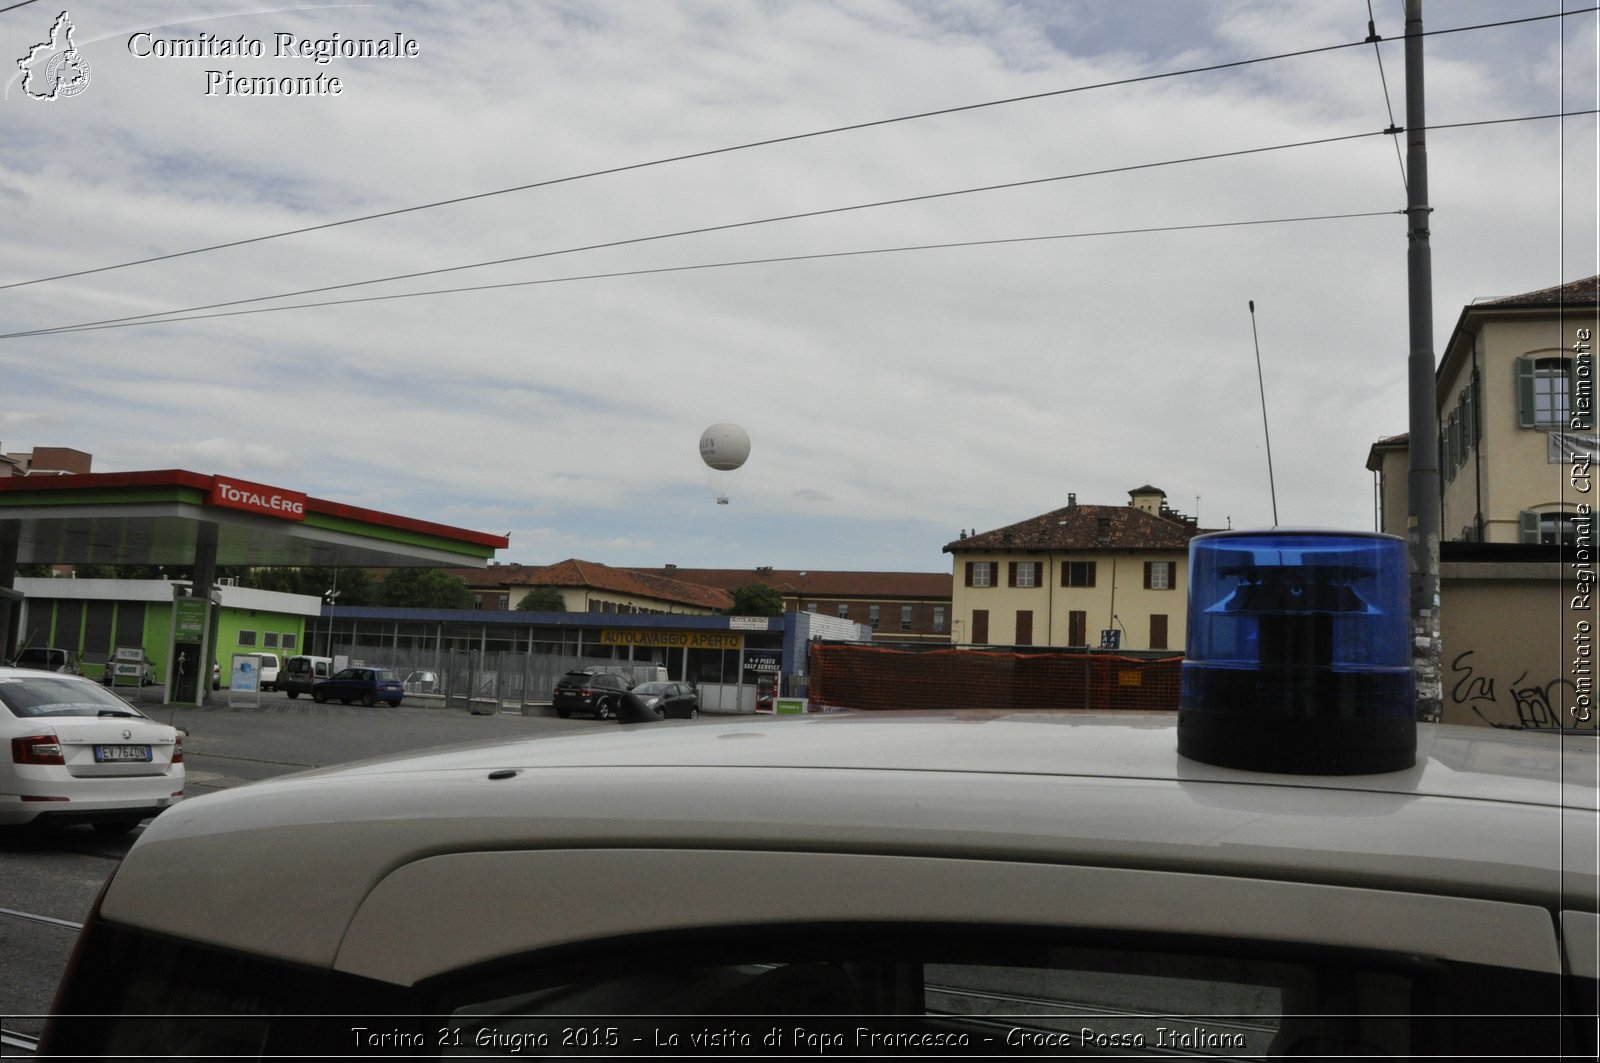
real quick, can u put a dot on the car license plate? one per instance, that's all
(105, 754)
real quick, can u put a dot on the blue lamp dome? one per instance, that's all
(1297, 654)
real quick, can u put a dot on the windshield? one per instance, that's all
(650, 688)
(51, 695)
(37, 658)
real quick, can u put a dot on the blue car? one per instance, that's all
(366, 685)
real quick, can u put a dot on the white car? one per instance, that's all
(851, 885)
(77, 753)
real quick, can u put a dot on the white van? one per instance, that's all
(300, 674)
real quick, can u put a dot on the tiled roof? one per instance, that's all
(1573, 293)
(818, 583)
(1082, 528)
(575, 573)
(1375, 459)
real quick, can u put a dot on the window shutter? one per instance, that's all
(1148, 565)
(1011, 575)
(1090, 570)
(1527, 415)
(1529, 526)
(969, 572)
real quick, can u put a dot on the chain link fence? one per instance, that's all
(488, 682)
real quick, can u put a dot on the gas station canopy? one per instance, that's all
(168, 517)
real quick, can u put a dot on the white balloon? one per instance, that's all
(724, 447)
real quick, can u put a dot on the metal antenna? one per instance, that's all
(1271, 480)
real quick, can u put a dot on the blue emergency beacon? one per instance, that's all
(1297, 658)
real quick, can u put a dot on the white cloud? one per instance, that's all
(893, 399)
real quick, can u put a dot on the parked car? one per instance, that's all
(80, 754)
(300, 674)
(422, 682)
(47, 659)
(1043, 881)
(672, 701)
(590, 690)
(366, 685)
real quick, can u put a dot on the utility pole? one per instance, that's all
(1422, 484)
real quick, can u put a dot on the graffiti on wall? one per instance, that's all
(1520, 703)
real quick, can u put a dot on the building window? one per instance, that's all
(844, 611)
(477, 601)
(1077, 574)
(872, 616)
(905, 618)
(269, 639)
(1545, 389)
(1158, 575)
(811, 607)
(505, 601)
(1158, 631)
(980, 573)
(980, 626)
(1024, 627)
(938, 618)
(1077, 628)
(247, 638)
(290, 640)
(1024, 574)
(1556, 529)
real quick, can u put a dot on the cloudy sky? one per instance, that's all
(1090, 334)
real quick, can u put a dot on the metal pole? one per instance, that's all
(1266, 433)
(1422, 483)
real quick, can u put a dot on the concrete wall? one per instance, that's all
(1516, 644)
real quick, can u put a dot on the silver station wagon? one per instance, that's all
(966, 885)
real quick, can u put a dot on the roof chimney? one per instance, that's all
(1072, 499)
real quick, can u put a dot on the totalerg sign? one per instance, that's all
(257, 498)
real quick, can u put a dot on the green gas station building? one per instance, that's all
(178, 518)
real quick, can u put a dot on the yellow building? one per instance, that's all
(1517, 448)
(1516, 417)
(1111, 576)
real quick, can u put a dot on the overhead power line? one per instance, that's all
(862, 252)
(902, 200)
(1383, 79)
(824, 212)
(769, 142)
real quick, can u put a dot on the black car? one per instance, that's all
(591, 691)
(672, 701)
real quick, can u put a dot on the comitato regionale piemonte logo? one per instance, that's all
(54, 69)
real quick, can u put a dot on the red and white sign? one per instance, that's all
(257, 498)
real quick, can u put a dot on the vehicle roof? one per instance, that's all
(1485, 813)
(8, 672)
